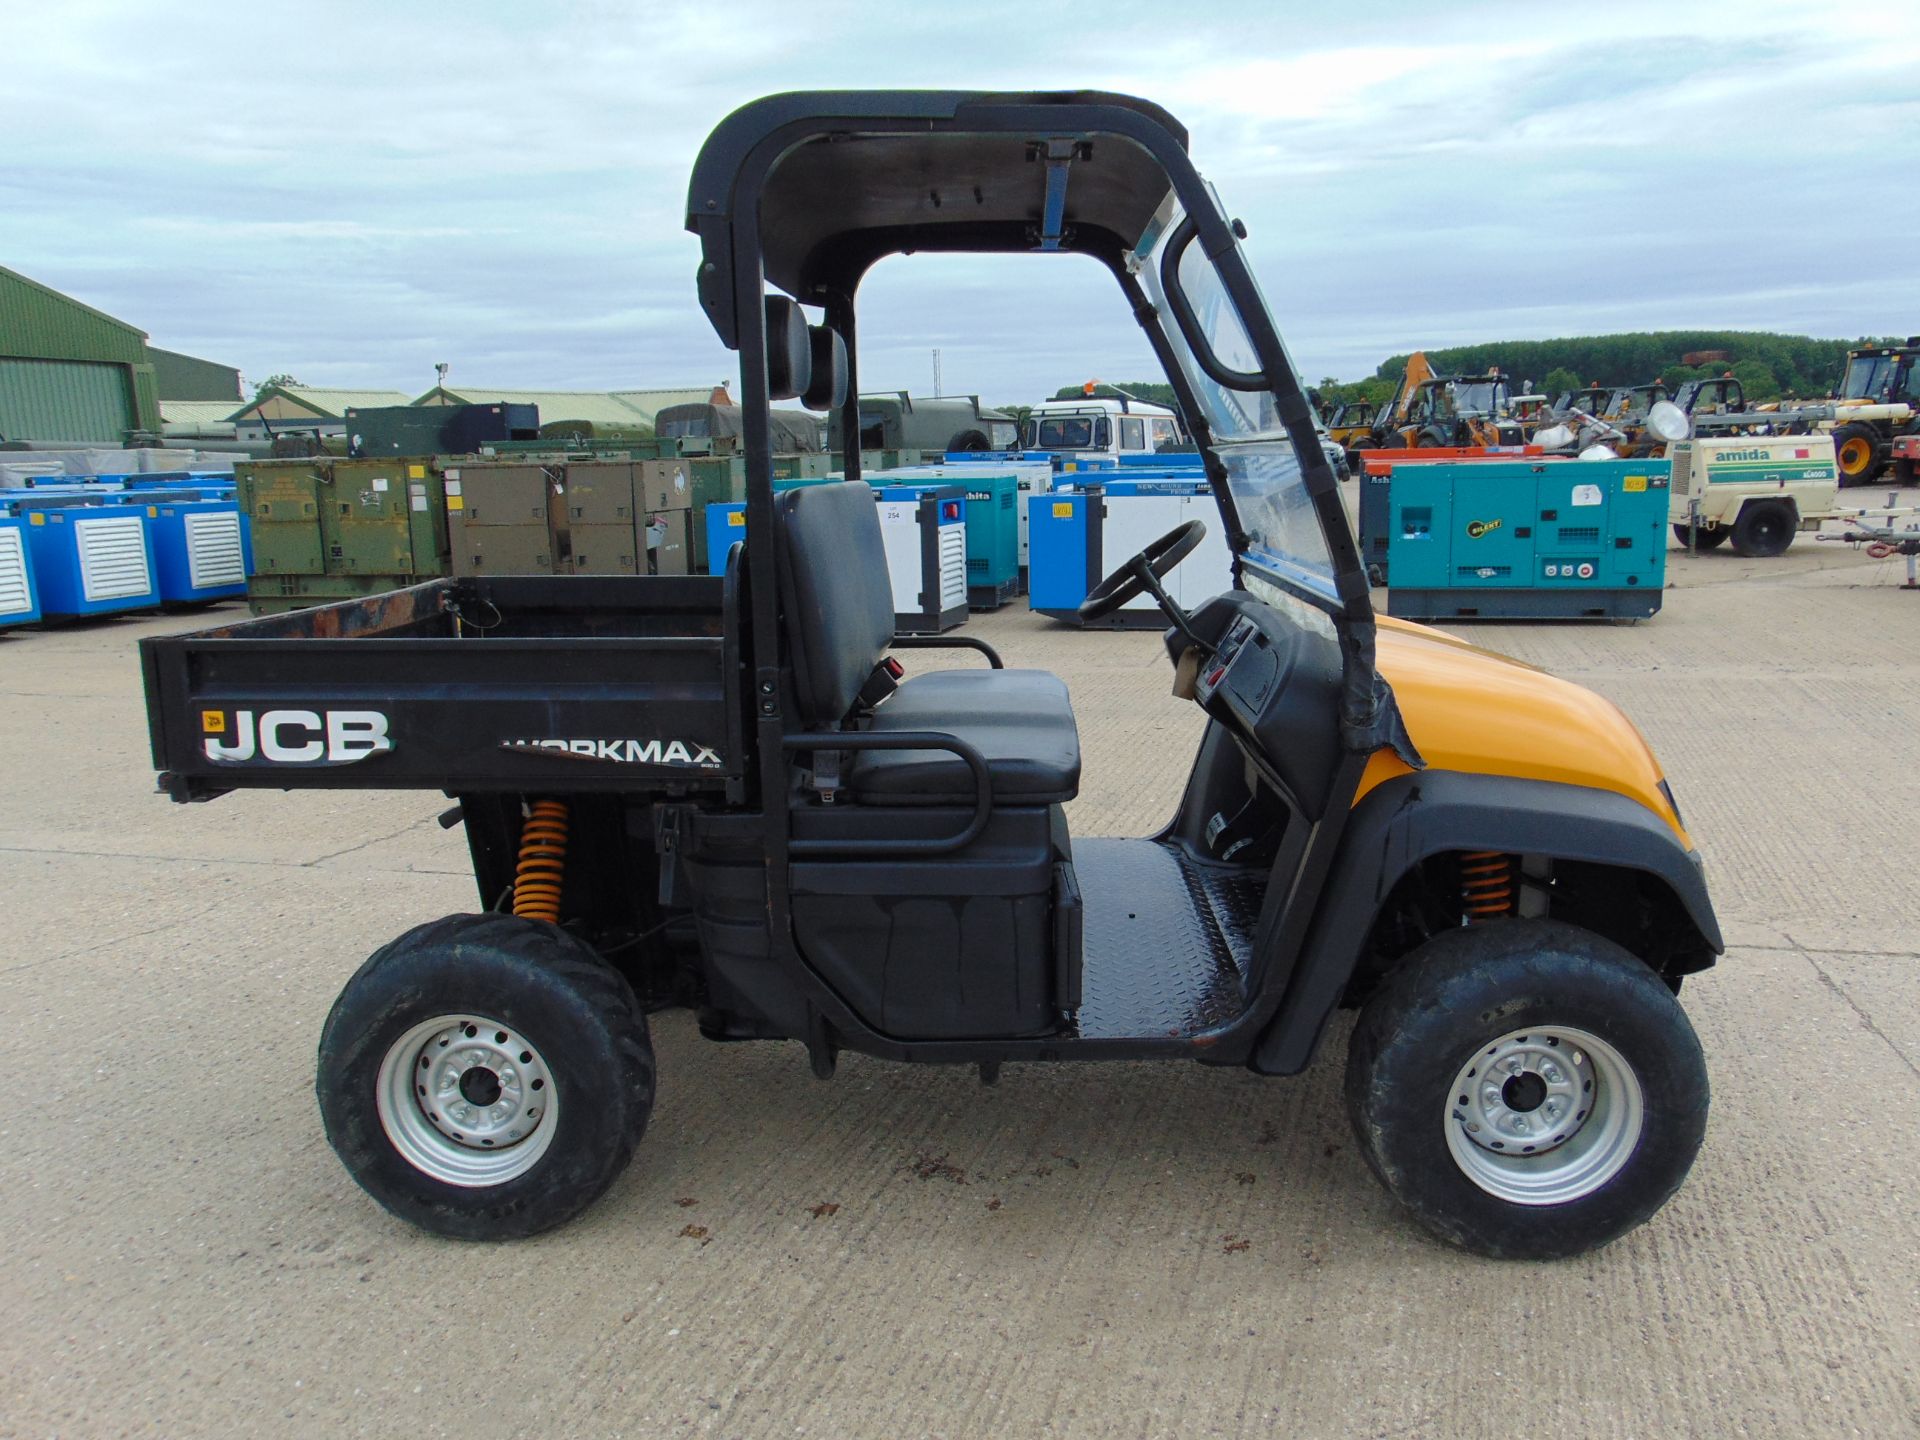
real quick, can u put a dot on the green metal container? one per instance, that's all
(275, 594)
(282, 501)
(385, 517)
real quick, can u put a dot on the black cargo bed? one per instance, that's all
(554, 685)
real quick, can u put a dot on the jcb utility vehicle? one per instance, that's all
(725, 792)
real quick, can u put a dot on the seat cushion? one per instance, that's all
(1021, 721)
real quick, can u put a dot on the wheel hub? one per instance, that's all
(1544, 1116)
(466, 1100)
(1526, 1095)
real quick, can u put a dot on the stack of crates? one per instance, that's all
(593, 514)
(497, 519)
(327, 529)
(581, 517)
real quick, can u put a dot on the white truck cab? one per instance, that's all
(1100, 426)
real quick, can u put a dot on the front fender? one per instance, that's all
(1406, 820)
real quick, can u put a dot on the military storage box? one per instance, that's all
(1527, 540)
(497, 519)
(320, 523)
(596, 519)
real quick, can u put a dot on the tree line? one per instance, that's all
(1768, 365)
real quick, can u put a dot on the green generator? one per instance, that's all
(328, 529)
(1527, 539)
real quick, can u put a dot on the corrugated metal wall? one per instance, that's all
(46, 325)
(64, 400)
(67, 371)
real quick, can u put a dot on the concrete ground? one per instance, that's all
(1114, 1250)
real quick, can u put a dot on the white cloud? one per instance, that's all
(358, 190)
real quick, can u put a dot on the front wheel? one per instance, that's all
(1527, 1089)
(486, 1077)
(1856, 452)
(1763, 530)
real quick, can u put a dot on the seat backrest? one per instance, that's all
(836, 593)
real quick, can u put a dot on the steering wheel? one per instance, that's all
(1143, 572)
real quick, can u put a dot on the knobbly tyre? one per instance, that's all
(720, 792)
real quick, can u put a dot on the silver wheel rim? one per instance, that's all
(1544, 1116)
(467, 1100)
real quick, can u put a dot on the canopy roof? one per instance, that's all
(846, 177)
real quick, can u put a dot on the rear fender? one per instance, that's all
(1410, 819)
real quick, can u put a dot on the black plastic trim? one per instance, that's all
(1406, 820)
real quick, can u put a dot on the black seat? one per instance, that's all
(1021, 721)
(839, 620)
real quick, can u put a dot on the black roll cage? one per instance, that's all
(724, 209)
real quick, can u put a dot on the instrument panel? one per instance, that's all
(1244, 672)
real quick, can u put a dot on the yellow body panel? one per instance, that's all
(1482, 713)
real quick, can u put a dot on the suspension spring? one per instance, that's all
(1487, 888)
(542, 866)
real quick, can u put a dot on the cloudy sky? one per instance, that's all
(353, 192)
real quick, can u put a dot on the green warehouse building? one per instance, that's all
(70, 373)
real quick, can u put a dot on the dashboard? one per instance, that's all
(1275, 687)
(1243, 673)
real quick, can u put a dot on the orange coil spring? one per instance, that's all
(543, 862)
(1486, 885)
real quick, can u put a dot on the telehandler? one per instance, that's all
(726, 792)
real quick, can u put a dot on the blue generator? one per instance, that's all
(91, 559)
(1527, 540)
(19, 599)
(201, 548)
(1075, 536)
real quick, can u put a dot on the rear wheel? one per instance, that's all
(1857, 450)
(485, 1077)
(1763, 530)
(1527, 1089)
(1711, 537)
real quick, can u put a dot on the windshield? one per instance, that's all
(1276, 511)
(1867, 377)
(1070, 432)
(1479, 397)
